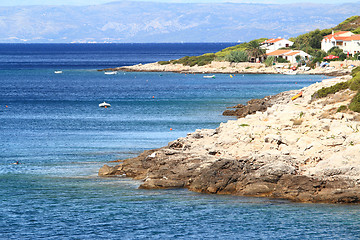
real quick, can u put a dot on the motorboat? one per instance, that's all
(110, 72)
(58, 72)
(104, 105)
(211, 76)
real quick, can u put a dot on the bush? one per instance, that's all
(269, 61)
(163, 62)
(357, 30)
(342, 108)
(237, 56)
(355, 83)
(196, 60)
(355, 103)
(355, 71)
(337, 52)
(331, 90)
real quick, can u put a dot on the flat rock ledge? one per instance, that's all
(301, 150)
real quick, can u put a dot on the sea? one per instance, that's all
(52, 125)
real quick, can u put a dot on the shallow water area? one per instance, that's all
(52, 125)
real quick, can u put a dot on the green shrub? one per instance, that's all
(237, 56)
(342, 108)
(196, 60)
(331, 90)
(269, 61)
(352, 84)
(355, 103)
(355, 71)
(163, 62)
(355, 83)
(357, 30)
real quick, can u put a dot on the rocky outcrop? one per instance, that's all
(257, 105)
(301, 150)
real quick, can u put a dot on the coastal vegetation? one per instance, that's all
(352, 84)
(269, 61)
(240, 47)
(237, 56)
(238, 53)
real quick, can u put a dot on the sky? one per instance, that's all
(95, 2)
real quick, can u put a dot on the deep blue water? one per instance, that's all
(52, 124)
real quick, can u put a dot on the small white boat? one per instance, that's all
(104, 105)
(111, 73)
(212, 76)
(290, 72)
(57, 72)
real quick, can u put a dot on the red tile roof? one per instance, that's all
(351, 38)
(273, 40)
(291, 53)
(354, 37)
(278, 52)
(335, 34)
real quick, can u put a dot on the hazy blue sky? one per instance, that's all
(92, 2)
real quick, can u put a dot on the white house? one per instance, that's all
(273, 44)
(345, 40)
(289, 55)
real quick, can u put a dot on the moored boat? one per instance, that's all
(111, 72)
(211, 76)
(104, 105)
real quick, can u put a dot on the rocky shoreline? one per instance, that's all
(230, 68)
(302, 150)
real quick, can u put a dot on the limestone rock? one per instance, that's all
(106, 171)
(263, 154)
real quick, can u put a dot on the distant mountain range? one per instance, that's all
(167, 22)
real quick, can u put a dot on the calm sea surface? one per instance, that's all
(51, 123)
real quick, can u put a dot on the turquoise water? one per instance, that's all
(53, 126)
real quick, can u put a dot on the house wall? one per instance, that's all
(327, 44)
(352, 47)
(278, 45)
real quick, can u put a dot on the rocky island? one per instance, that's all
(305, 150)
